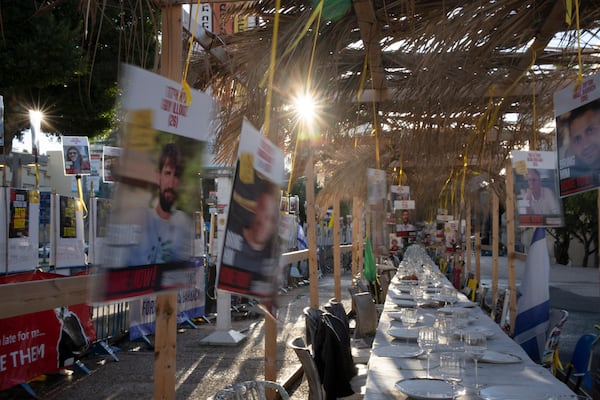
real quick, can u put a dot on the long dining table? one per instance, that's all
(397, 368)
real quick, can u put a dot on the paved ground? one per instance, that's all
(202, 370)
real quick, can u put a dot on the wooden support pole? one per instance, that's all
(313, 268)
(495, 233)
(356, 236)
(337, 269)
(510, 238)
(165, 347)
(468, 247)
(476, 207)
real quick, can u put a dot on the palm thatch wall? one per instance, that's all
(427, 82)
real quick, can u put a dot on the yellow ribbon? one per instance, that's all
(81, 200)
(184, 85)
(316, 13)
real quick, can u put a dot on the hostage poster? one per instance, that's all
(250, 257)
(536, 189)
(149, 244)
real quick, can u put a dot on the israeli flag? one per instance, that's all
(533, 304)
(301, 238)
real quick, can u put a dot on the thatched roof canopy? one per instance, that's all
(433, 81)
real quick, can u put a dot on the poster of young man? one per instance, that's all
(110, 162)
(577, 115)
(536, 189)
(250, 258)
(76, 151)
(150, 236)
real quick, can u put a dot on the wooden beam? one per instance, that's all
(28, 297)
(369, 32)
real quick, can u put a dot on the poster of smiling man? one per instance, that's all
(577, 115)
(536, 189)
(250, 257)
(149, 244)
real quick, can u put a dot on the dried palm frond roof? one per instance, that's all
(433, 81)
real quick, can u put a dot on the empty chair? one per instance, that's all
(366, 315)
(315, 388)
(579, 366)
(550, 357)
(250, 390)
(501, 308)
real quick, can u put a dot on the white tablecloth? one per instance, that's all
(385, 370)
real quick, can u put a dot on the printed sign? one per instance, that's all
(536, 189)
(250, 256)
(42, 342)
(577, 115)
(76, 155)
(149, 245)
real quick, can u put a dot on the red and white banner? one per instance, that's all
(41, 342)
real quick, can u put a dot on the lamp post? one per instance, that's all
(35, 120)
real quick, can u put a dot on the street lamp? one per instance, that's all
(35, 120)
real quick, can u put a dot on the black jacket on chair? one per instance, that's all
(333, 356)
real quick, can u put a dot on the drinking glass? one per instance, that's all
(446, 328)
(448, 294)
(409, 317)
(475, 345)
(461, 320)
(428, 339)
(451, 369)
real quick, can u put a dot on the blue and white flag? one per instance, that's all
(533, 304)
(301, 238)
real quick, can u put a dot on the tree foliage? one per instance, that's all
(581, 223)
(63, 59)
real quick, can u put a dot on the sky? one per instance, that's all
(46, 143)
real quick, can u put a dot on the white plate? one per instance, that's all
(494, 357)
(404, 333)
(488, 333)
(425, 389)
(398, 351)
(400, 296)
(404, 303)
(395, 315)
(514, 392)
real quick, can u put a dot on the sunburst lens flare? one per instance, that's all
(305, 108)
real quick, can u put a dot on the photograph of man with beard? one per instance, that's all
(166, 233)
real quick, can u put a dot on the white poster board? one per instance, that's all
(22, 208)
(67, 240)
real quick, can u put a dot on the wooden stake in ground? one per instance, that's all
(165, 344)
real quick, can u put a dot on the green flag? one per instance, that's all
(369, 271)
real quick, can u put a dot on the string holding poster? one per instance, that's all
(577, 114)
(536, 189)
(250, 257)
(76, 155)
(149, 243)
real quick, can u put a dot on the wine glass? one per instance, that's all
(461, 320)
(475, 345)
(451, 369)
(427, 340)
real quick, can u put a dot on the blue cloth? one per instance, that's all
(302, 244)
(533, 304)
